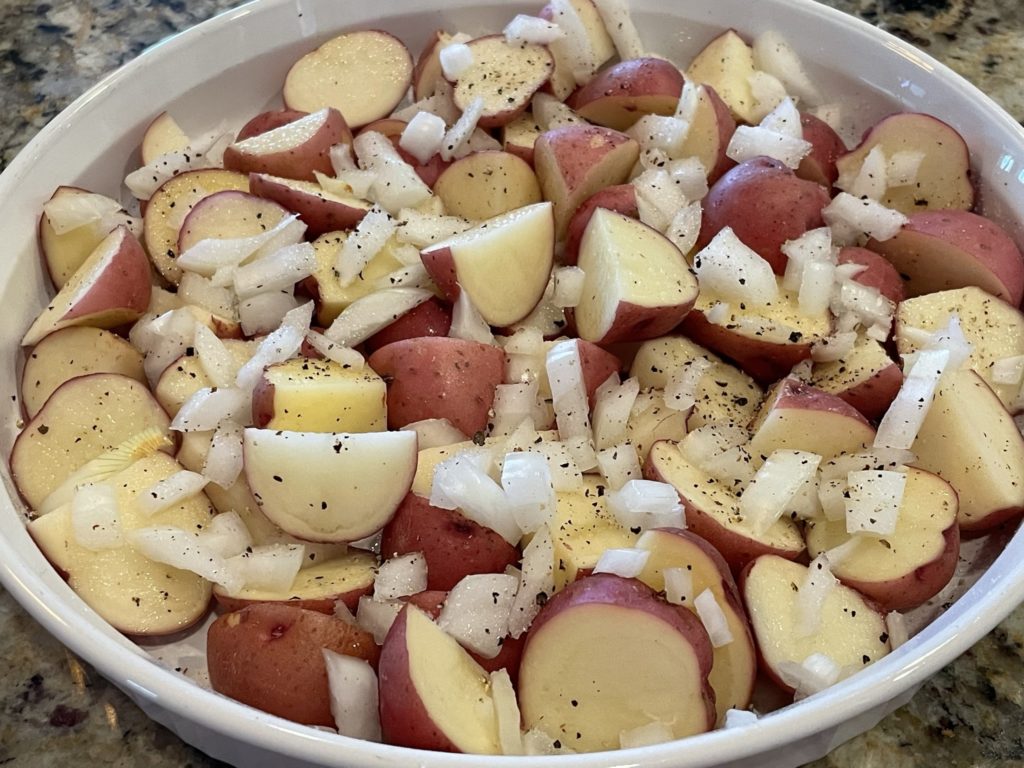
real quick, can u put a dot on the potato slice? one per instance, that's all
(162, 136)
(505, 75)
(726, 64)
(482, 185)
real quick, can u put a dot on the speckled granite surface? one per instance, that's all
(55, 711)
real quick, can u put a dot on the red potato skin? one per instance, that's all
(453, 545)
(298, 162)
(268, 121)
(597, 365)
(440, 377)
(880, 274)
(827, 146)
(873, 396)
(404, 720)
(793, 393)
(319, 605)
(726, 128)
(440, 265)
(619, 95)
(427, 71)
(432, 601)
(126, 280)
(620, 198)
(268, 656)
(766, 362)
(320, 214)
(766, 204)
(431, 318)
(392, 128)
(983, 525)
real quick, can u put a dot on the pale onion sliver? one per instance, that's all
(526, 480)
(816, 284)
(506, 710)
(896, 627)
(366, 241)
(748, 142)
(354, 699)
(434, 433)
(207, 256)
(568, 390)
(477, 610)
(461, 483)
(219, 365)
(275, 271)
(620, 27)
(678, 585)
(269, 566)
(170, 491)
(646, 504)
(536, 581)
(901, 423)
(513, 403)
(262, 313)
(613, 402)
(684, 228)
(815, 674)
(467, 323)
(577, 47)
(874, 501)
(369, 314)
(200, 291)
(397, 185)
(68, 212)
(627, 562)
(531, 30)
(377, 616)
(455, 59)
(619, 464)
(208, 407)
(713, 618)
(226, 534)
(768, 92)
(863, 216)
(645, 735)
(346, 357)
(457, 137)
(773, 54)
(95, 517)
(813, 591)
(683, 386)
(784, 119)
(737, 718)
(422, 136)
(180, 549)
(401, 576)
(566, 476)
(729, 268)
(568, 286)
(774, 486)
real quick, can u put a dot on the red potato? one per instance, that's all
(575, 161)
(268, 121)
(171, 203)
(363, 75)
(766, 204)
(620, 198)
(712, 511)
(584, 693)
(505, 75)
(597, 365)
(939, 250)
(319, 396)
(269, 656)
(83, 418)
(483, 185)
(294, 150)
(852, 630)
(710, 131)
(320, 210)
(800, 417)
(138, 596)
(637, 284)
(619, 95)
(903, 569)
(324, 285)
(826, 147)
(162, 136)
(453, 545)
(227, 215)
(866, 378)
(427, 72)
(735, 664)
(459, 387)
(727, 64)
(329, 487)
(431, 318)
(111, 288)
(433, 695)
(519, 136)
(879, 273)
(72, 352)
(944, 177)
(503, 263)
(316, 588)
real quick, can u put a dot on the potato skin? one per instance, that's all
(439, 377)
(269, 656)
(431, 318)
(880, 274)
(298, 162)
(620, 198)
(268, 121)
(820, 165)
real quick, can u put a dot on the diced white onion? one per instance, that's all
(1008, 370)
(784, 119)
(506, 709)
(737, 718)
(683, 384)
(684, 228)
(578, 50)
(226, 534)
(366, 241)
(208, 256)
(774, 486)
(748, 142)
(461, 483)
(536, 581)
(658, 198)
(526, 480)
(180, 549)
(208, 407)
(727, 267)
(645, 735)
(768, 92)
(397, 185)
(568, 390)
(531, 30)
(626, 562)
(620, 27)
(903, 168)
(401, 576)
(817, 672)
(263, 312)
(901, 423)
(434, 433)
(455, 59)
(834, 347)
(568, 286)
(874, 501)
(849, 216)
(423, 135)
(896, 627)
(643, 504)
(456, 139)
(204, 152)
(346, 357)
(269, 566)
(275, 271)
(813, 591)
(219, 365)
(477, 610)
(537, 742)
(68, 212)
(353, 689)
(513, 404)
(566, 475)
(369, 314)
(816, 287)
(467, 323)
(951, 338)
(678, 585)
(550, 113)
(871, 179)
(773, 54)
(420, 229)
(659, 132)
(613, 402)
(377, 616)
(713, 618)
(95, 518)
(619, 464)
(170, 491)
(200, 291)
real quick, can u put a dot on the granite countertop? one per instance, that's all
(55, 710)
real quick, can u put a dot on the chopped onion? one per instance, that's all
(784, 119)
(874, 501)
(683, 386)
(773, 54)
(531, 30)
(815, 674)
(813, 245)
(727, 267)
(775, 484)
(377, 616)
(834, 347)
(566, 475)
(871, 179)
(366, 241)
(719, 448)
(467, 323)
(582, 451)
(170, 491)
(645, 735)
(461, 483)
(200, 291)
(423, 135)
(951, 337)
(204, 152)
(263, 312)
(353, 689)
(713, 618)
(657, 198)
(568, 390)
(506, 710)
(536, 581)
(457, 137)
(346, 357)
(95, 518)
(659, 132)
(737, 718)
(275, 271)
(397, 185)
(627, 562)
(832, 497)
(896, 627)
(208, 256)
(163, 340)
(576, 46)
(218, 363)
(613, 402)
(690, 177)
(813, 591)
(455, 59)
(849, 216)
(369, 314)
(678, 585)
(619, 464)
(903, 168)
(719, 313)
(768, 92)
(644, 504)
(354, 183)
(208, 407)
(526, 480)
(568, 286)
(434, 433)
(269, 566)
(684, 228)
(618, 22)
(420, 229)
(513, 404)
(477, 610)
(537, 742)
(226, 534)
(400, 576)
(901, 423)
(342, 158)
(525, 341)
(838, 554)
(816, 287)
(754, 141)
(180, 549)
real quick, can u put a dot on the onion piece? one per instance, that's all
(901, 423)
(366, 241)
(434, 433)
(753, 141)
(506, 710)
(226, 534)
(264, 312)
(423, 135)
(208, 407)
(275, 271)
(95, 517)
(613, 402)
(397, 185)
(568, 286)
(377, 616)
(896, 627)
(568, 390)
(657, 198)
(566, 476)
(550, 113)
(684, 228)
(728, 268)
(536, 581)
(400, 576)
(738, 718)
(812, 594)
(537, 742)
(346, 357)
(773, 54)
(269, 566)
(644, 504)
(208, 256)
(768, 92)
(678, 585)
(816, 285)
(204, 152)
(170, 491)
(619, 464)
(871, 179)
(369, 314)
(531, 30)
(713, 618)
(477, 610)
(180, 549)
(683, 386)
(874, 501)
(457, 138)
(219, 365)
(626, 562)
(352, 684)
(645, 735)
(164, 339)
(513, 404)
(815, 674)
(467, 323)
(420, 229)
(620, 27)
(455, 59)
(1008, 370)
(201, 292)
(903, 168)
(461, 483)
(576, 46)
(775, 484)
(526, 480)
(849, 216)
